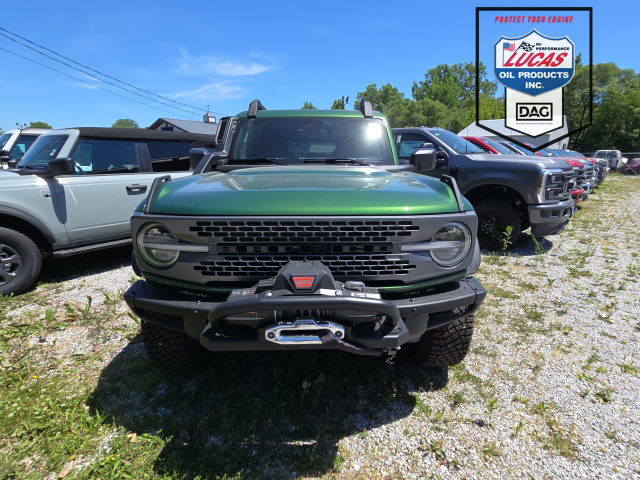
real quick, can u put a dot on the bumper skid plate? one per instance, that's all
(305, 308)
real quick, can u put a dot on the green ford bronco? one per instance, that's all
(301, 230)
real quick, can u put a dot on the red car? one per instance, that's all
(489, 146)
(632, 167)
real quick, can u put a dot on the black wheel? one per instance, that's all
(444, 346)
(494, 219)
(171, 349)
(20, 262)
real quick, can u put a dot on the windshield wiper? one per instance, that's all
(336, 160)
(264, 160)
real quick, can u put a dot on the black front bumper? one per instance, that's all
(217, 326)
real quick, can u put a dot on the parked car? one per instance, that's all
(508, 192)
(15, 143)
(632, 167)
(614, 157)
(302, 231)
(584, 170)
(601, 166)
(74, 191)
(489, 146)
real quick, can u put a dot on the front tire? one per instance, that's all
(444, 346)
(20, 262)
(494, 219)
(171, 349)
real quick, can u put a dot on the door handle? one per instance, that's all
(136, 187)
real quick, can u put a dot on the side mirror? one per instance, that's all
(4, 155)
(425, 158)
(61, 166)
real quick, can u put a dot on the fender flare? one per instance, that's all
(41, 227)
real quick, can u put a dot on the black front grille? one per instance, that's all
(341, 266)
(277, 231)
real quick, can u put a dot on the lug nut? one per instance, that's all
(271, 335)
(338, 334)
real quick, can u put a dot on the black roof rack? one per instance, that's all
(365, 108)
(254, 107)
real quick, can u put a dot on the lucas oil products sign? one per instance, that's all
(534, 68)
(536, 53)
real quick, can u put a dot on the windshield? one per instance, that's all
(296, 140)
(524, 151)
(43, 150)
(3, 139)
(547, 152)
(457, 143)
(23, 143)
(498, 146)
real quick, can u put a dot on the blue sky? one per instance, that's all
(224, 54)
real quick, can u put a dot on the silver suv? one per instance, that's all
(15, 143)
(75, 190)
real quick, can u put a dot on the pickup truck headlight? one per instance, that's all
(458, 240)
(155, 243)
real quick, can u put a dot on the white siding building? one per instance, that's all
(498, 126)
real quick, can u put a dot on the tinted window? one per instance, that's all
(523, 150)
(23, 144)
(92, 155)
(292, 140)
(169, 156)
(455, 142)
(44, 149)
(500, 148)
(480, 146)
(407, 143)
(3, 139)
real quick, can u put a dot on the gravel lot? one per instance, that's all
(550, 389)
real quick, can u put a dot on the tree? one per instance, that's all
(308, 106)
(125, 123)
(39, 125)
(453, 84)
(382, 99)
(337, 105)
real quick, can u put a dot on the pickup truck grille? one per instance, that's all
(259, 266)
(558, 186)
(305, 231)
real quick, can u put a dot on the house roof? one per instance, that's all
(191, 126)
(135, 134)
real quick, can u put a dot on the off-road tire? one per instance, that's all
(444, 346)
(171, 349)
(23, 250)
(502, 215)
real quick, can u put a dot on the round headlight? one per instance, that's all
(458, 239)
(153, 240)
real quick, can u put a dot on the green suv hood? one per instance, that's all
(305, 190)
